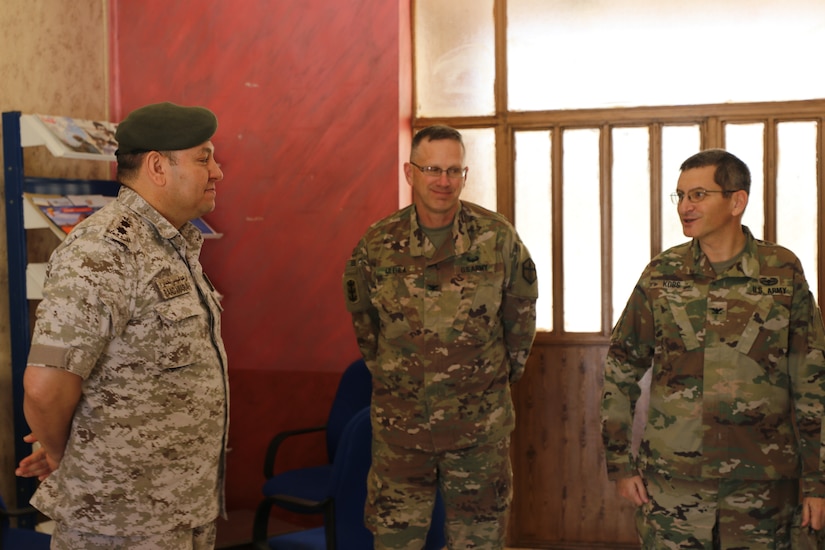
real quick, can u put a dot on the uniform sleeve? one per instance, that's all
(356, 294)
(628, 358)
(807, 370)
(85, 304)
(519, 308)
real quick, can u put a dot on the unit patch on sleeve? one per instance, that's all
(352, 291)
(528, 270)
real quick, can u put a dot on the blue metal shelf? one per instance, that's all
(16, 183)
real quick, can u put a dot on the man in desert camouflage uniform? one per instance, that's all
(126, 385)
(735, 341)
(442, 296)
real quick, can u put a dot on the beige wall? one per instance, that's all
(53, 60)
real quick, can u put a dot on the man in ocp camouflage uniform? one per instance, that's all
(737, 393)
(442, 296)
(126, 385)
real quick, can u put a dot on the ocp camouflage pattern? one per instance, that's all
(444, 332)
(734, 356)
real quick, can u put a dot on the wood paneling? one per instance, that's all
(562, 496)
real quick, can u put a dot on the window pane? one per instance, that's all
(796, 220)
(454, 57)
(630, 202)
(534, 213)
(606, 53)
(481, 161)
(678, 143)
(581, 239)
(747, 141)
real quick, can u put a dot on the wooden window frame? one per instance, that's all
(710, 118)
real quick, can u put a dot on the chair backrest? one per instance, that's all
(348, 485)
(437, 537)
(353, 394)
(349, 489)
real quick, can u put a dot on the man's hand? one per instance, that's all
(632, 489)
(38, 464)
(813, 513)
(50, 398)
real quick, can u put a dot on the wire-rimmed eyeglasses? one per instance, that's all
(694, 195)
(453, 173)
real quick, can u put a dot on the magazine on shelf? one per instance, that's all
(80, 137)
(63, 212)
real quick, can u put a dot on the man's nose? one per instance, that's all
(217, 173)
(443, 179)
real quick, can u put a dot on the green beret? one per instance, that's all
(165, 127)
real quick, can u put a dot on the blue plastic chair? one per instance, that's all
(344, 527)
(15, 538)
(305, 490)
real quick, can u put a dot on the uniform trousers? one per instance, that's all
(717, 514)
(200, 538)
(476, 484)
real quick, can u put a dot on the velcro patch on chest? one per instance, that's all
(771, 286)
(670, 284)
(172, 286)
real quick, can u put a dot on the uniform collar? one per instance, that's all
(133, 201)
(458, 243)
(747, 266)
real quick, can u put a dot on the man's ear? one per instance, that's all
(156, 166)
(408, 174)
(739, 201)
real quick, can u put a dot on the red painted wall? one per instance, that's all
(309, 137)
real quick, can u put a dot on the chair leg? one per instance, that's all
(260, 525)
(329, 524)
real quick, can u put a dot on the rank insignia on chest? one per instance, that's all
(717, 311)
(173, 285)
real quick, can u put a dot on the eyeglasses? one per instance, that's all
(694, 195)
(453, 173)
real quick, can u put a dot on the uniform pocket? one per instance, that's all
(389, 300)
(478, 305)
(182, 325)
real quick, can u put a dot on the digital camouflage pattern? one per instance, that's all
(199, 538)
(734, 356)
(444, 332)
(128, 308)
